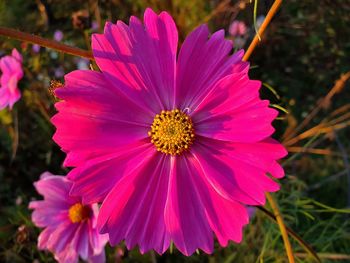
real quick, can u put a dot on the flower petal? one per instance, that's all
(219, 174)
(134, 209)
(225, 217)
(59, 240)
(202, 62)
(54, 188)
(44, 237)
(96, 177)
(229, 93)
(48, 213)
(94, 118)
(184, 212)
(248, 176)
(4, 97)
(249, 123)
(140, 60)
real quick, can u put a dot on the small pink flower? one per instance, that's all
(174, 145)
(70, 227)
(11, 68)
(237, 28)
(58, 35)
(36, 48)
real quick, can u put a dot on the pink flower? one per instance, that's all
(173, 147)
(36, 48)
(237, 28)
(11, 68)
(58, 35)
(70, 227)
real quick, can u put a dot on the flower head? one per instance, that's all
(237, 28)
(174, 146)
(70, 227)
(12, 72)
(58, 35)
(36, 48)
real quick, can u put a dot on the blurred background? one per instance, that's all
(303, 62)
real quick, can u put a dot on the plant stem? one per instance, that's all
(296, 237)
(282, 227)
(262, 28)
(22, 36)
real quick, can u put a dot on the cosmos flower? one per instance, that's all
(237, 28)
(174, 146)
(70, 227)
(58, 35)
(12, 72)
(36, 48)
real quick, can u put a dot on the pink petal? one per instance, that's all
(134, 209)
(44, 237)
(94, 117)
(61, 236)
(68, 255)
(16, 55)
(229, 93)
(249, 178)
(226, 217)
(15, 94)
(97, 177)
(185, 212)
(54, 188)
(10, 67)
(249, 123)
(4, 97)
(80, 241)
(98, 258)
(140, 60)
(202, 62)
(214, 168)
(48, 213)
(97, 240)
(263, 155)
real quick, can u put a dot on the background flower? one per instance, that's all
(58, 35)
(11, 68)
(69, 227)
(237, 28)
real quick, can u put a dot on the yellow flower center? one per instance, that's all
(172, 132)
(78, 212)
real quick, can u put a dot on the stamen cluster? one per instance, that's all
(78, 212)
(172, 132)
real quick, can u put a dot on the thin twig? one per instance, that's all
(262, 28)
(296, 149)
(296, 237)
(327, 180)
(331, 256)
(22, 36)
(338, 86)
(282, 227)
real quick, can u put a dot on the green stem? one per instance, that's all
(295, 236)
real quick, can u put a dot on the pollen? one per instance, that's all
(78, 213)
(172, 132)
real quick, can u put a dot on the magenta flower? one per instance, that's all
(12, 72)
(173, 147)
(237, 28)
(70, 227)
(36, 48)
(58, 35)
